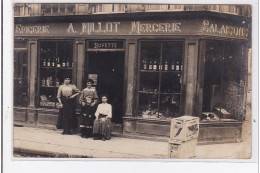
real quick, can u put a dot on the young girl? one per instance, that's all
(103, 125)
(87, 118)
(88, 101)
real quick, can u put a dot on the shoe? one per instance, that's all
(96, 138)
(103, 139)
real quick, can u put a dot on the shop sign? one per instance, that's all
(31, 29)
(105, 44)
(220, 29)
(151, 27)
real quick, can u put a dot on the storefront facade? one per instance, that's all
(153, 68)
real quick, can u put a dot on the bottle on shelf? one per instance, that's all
(144, 65)
(155, 65)
(63, 62)
(44, 62)
(177, 66)
(67, 62)
(58, 62)
(172, 66)
(53, 62)
(150, 66)
(49, 62)
(51, 81)
(160, 66)
(166, 66)
(48, 81)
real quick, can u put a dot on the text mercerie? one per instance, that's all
(138, 27)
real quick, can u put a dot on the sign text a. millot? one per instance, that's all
(137, 27)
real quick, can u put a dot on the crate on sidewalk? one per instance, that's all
(184, 128)
(182, 149)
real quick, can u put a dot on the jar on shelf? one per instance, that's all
(43, 82)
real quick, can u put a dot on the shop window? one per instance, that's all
(47, 9)
(70, 9)
(54, 9)
(20, 78)
(62, 9)
(160, 79)
(56, 62)
(223, 84)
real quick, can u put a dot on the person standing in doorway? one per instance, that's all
(88, 101)
(67, 99)
(103, 125)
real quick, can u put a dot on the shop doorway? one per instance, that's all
(107, 70)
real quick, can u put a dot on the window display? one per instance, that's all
(20, 78)
(56, 62)
(160, 79)
(223, 85)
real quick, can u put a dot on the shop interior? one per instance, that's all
(107, 71)
(223, 85)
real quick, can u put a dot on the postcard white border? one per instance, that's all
(123, 165)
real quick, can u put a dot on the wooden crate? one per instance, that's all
(182, 150)
(184, 128)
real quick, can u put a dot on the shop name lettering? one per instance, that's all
(136, 27)
(20, 29)
(105, 45)
(224, 29)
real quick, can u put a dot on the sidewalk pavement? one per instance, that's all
(52, 143)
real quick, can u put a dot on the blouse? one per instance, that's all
(88, 92)
(67, 90)
(105, 109)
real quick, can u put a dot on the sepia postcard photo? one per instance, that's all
(132, 80)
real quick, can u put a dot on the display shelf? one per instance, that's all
(154, 71)
(145, 92)
(170, 93)
(64, 68)
(49, 87)
(48, 68)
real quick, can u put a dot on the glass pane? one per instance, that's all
(71, 8)
(149, 79)
(170, 88)
(223, 85)
(47, 74)
(20, 79)
(212, 76)
(47, 9)
(62, 8)
(54, 9)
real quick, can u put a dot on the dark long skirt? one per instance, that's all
(67, 118)
(103, 128)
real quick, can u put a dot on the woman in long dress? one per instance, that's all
(88, 101)
(103, 125)
(67, 99)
